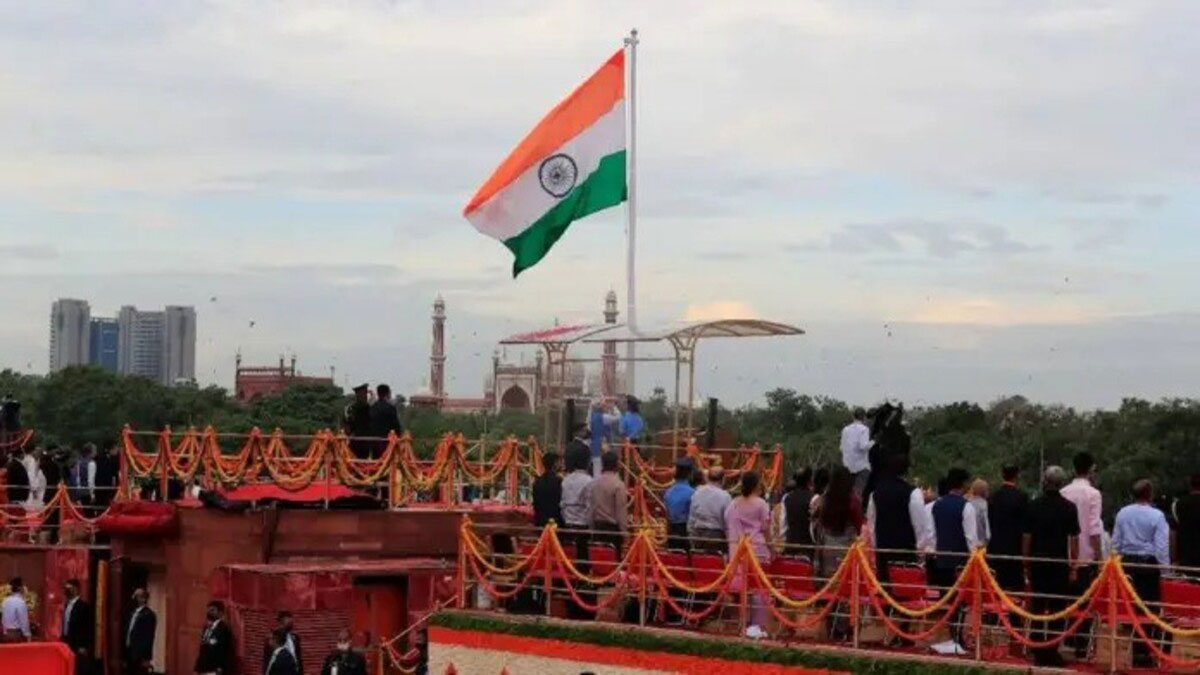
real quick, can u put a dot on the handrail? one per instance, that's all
(743, 575)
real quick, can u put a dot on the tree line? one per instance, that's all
(1159, 440)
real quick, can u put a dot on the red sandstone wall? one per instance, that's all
(207, 540)
(317, 629)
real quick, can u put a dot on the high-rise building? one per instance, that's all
(179, 344)
(69, 326)
(104, 343)
(140, 343)
(159, 345)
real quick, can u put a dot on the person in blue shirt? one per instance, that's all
(678, 499)
(632, 424)
(1141, 535)
(600, 428)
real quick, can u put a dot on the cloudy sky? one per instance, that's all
(956, 199)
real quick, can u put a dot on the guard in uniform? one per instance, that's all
(344, 660)
(216, 643)
(356, 422)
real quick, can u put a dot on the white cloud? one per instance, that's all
(990, 312)
(720, 309)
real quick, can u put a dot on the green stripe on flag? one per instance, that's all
(605, 187)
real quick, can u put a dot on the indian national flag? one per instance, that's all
(571, 165)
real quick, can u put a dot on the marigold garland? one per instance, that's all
(975, 587)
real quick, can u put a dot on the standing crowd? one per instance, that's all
(1051, 544)
(32, 478)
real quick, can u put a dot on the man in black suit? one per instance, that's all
(216, 644)
(290, 641)
(16, 479)
(385, 418)
(108, 475)
(280, 660)
(10, 417)
(547, 492)
(78, 627)
(356, 422)
(344, 660)
(139, 636)
(1006, 520)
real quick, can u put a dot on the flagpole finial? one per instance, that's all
(633, 37)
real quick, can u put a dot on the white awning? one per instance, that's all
(695, 330)
(561, 334)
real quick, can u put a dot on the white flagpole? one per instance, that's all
(631, 43)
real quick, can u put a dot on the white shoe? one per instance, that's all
(755, 633)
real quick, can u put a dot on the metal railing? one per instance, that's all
(838, 595)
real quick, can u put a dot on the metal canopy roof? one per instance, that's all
(695, 330)
(560, 334)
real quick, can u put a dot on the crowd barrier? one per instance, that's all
(509, 464)
(506, 470)
(327, 457)
(753, 458)
(61, 512)
(697, 587)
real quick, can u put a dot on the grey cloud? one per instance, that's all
(730, 255)
(1151, 201)
(909, 93)
(1150, 357)
(1148, 201)
(1098, 234)
(29, 251)
(934, 239)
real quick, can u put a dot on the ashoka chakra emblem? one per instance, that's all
(558, 174)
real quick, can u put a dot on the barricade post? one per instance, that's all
(855, 578)
(642, 542)
(548, 580)
(1112, 616)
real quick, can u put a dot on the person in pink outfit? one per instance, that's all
(748, 515)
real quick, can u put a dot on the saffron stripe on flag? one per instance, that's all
(590, 101)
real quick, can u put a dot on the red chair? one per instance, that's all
(707, 568)
(793, 576)
(525, 548)
(677, 564)
(1181, 600)
(603, 559)
(908, 584)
